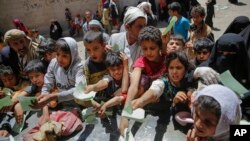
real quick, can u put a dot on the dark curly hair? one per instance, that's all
(150, 33)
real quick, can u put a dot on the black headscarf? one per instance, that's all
(237, 25)
(238, 63)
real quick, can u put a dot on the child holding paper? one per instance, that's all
(64, 72)
(117, 65)
(94, 68)
(147, 68)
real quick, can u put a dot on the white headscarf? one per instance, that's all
(144, 4)
(132, 14)
(230, 108)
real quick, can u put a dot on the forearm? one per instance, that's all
(148, 97)
(100, 85)
(114, 101)
(46, 111)
(125, 79)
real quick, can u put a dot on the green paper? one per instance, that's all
(129, 108)
(115, 48)
(79, 92)
(170, 25)
(89, 115)
(19, 127)
(6, 101)
(228, 80)
(26, 102)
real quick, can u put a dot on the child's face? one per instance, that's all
(36, 78)
(63, 59)
(96, 51)
(174, 45)
(205, 123)
(150, 50)
(116, 72)
(176, 71)
(197, 18)
(9, 80)
(202, 55)
(171, 12)
(48, 56)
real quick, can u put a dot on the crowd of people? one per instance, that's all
(128, 62)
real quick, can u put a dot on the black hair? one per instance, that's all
(5, 70)
(178, 37)
(113, 59)
(35, 66)
(48, 46)
(198, 9)
(62, 45)
(208, 104)
(203, 43)
(150, 33)
(92, 36)
(175, 6)
(182, 58)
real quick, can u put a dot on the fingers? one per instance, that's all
(191, 135)
(4, 133)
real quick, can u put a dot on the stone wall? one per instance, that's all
(38, 13)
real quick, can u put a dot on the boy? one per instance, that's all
(199, 29)
(175, 43)
(94, 67)
(64, 73)
(12, 81)
(202, 49)
(47, 51)
(117, 66)
(182, 24)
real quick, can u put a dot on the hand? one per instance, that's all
(124, 58)
(207, 74)
(18, 113)
(108, 47)
(102, 111)
(42, 100)
(189, 45)
(191, 136)
(180, 97)
(137, 103)
(2, 95)
(88, 89)
(4, 133)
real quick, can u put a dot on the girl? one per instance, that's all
(147, 68)
(215, 108)
(178, 67)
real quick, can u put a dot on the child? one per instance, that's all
(117, 66)
(147, 68)
(47, 51)
(215, 108)
(198, 30)
(176, 43)
(182, 25)
(12, 81)
(202, 49)
(64, 73)
(94, 67)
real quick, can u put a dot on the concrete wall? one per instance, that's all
(38, 13)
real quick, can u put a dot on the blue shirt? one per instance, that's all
(181, 27)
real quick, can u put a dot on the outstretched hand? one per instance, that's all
(207, 74)
(42, 100)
